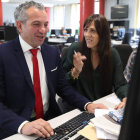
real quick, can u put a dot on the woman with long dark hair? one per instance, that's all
(92, 67)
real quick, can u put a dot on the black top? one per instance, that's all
(94, 90)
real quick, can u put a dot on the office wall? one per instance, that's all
(51, 18)
(131, 16)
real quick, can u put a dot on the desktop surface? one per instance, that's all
(64, 118)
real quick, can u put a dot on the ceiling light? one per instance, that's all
(5, 0)
(59, 0)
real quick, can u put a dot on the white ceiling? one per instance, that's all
(47, 3)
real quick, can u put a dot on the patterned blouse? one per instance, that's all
(129, 67)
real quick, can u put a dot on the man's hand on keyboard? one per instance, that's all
(39, 127)
(91, 107)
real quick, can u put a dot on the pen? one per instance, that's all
(76, 54)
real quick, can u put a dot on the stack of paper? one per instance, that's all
(106, 127)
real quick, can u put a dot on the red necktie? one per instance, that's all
(37, 89)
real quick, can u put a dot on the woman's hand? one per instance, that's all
(122, 104)
(78, 62)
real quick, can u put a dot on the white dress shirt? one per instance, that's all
(43, 78)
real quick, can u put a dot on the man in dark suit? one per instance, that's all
(18, 109)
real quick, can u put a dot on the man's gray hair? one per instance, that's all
(20, 12)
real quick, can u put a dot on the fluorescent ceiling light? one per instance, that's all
(120, 12)
(59, 0)
(48, 5)
(119, 7)
(5, 0)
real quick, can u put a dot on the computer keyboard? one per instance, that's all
(70, 128)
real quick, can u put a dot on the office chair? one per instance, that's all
(127, 38)
(70, 39)
(46, 40)
(64, 52)
(63, 105)
(124, 51)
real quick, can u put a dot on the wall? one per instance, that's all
(131, 15)
(8, 12)
(51, 18)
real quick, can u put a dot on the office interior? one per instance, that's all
(71, 23)
(63, 14)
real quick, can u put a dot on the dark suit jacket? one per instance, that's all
(17, 98)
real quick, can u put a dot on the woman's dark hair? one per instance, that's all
(103, 49)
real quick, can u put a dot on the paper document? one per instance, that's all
(114, 100)
(107, 124)
(101, 134)
(89, 132)
(101, 112)
(111, 26)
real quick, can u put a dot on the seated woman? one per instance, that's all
(92, 67)
(129, 67)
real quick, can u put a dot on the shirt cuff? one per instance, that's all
(86, 105)
(19, 128)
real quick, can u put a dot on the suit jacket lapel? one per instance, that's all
(22, 62)
(46, 60)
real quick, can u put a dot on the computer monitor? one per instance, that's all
(58, 32)
(68, 31)
(121, 33)
(132, 30)
(130, 129)
(10, 33)
(52, 31)
(76, 31)
(138, 32)
(2, 37)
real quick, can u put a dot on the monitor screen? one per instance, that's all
(138, 32)
(120, 11)
(53, 31)
(131, 119)
(76, 31)
(10, 33)
(132, 30)
(58, 32)
(2, 35)
(68, 31)
(121, 33)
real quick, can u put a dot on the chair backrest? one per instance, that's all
(46, 40)
(64, 52)
(124, 51)
(127, 38)
(71, 39)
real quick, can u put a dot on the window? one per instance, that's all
(58, 16)
(75, 17)
(96, 7)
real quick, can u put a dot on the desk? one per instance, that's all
(133, 45)
(67, 44)
(57, 40)
(62, 119)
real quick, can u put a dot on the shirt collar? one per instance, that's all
(25, 46)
